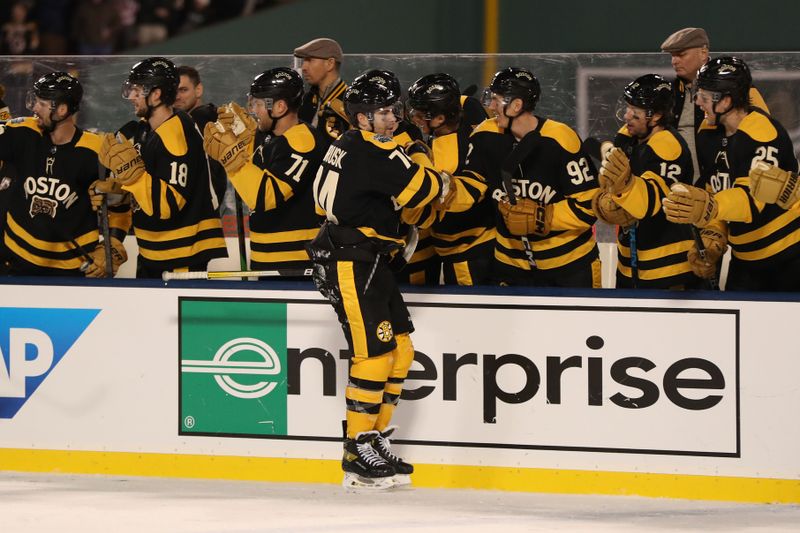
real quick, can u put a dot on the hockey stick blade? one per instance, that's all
(183, 276)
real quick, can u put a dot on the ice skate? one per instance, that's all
(364, 469)
(403, 470)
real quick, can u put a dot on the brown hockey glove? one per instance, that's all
(235, 119)
(97, 269)
(121, 158)
(418, 147)
(225, 147)
(526, 217)
(773, 185)
(686, 204)
(607, 210)
(615, 172)
(99, 189)
(715, 244)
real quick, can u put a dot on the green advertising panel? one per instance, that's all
(232, 367)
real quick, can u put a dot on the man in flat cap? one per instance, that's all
(689, 49)
(320, 61)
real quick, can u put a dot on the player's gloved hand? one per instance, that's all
(715, 244)
(222, 145)
(97, 269)
(235, 119)
(773, 185)
(607, 210)
(526, 217)
(121, 158)
(686, 204)
(615, 172)
(100, 189)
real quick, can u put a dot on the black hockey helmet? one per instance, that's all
(60, 88)
(435, 94)
(367, 95)
(384, 77)
(651, 92)
(154, 73)
(515, 82)
(279, 83)
(729, 76)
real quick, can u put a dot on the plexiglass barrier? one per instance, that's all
(581, 90)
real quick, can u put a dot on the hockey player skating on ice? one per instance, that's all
(366, 186)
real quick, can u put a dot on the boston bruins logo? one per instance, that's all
(384, 331)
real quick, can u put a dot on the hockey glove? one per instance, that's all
(686, 204)
(526, 217)
(97, 269)
(615, 172)
(773, 185)
(225, 147)
(121, 158)
(607, 210)
(235, 119)
(100, 189)
(715, 244)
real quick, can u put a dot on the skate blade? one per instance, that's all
(401, 481)
(355, 483)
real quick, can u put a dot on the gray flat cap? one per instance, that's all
(685, 38)
(321, 48)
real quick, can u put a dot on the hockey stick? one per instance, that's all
(102, 218)
(220, 274)
(237, 200)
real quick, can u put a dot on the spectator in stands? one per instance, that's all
(126, 36)
(53, 19)
(19, 35)
(322, 107)
(95, 27)
(154, 17)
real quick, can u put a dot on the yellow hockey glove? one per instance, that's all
(235, 119)
(715, 244)
(222, 145)
(121, 158)
(607, 210)
(99, 189)
(97, 269)
(526, 217)
(686, 204)
(773, 185)
(615, 172)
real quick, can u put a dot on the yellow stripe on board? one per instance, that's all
(738, 489)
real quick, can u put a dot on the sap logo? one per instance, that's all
(32, 343)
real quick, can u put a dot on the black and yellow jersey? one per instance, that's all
(761, 234)
(369, 183)
(326, 112)
(554, 170)
(277, 187)
(470, 220)
(661, 246)
(175, 220)
(421, 268)
(48, 202)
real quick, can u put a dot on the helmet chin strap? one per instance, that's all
(53, 121)
(717, 115)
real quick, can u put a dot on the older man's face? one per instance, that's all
(687, 62)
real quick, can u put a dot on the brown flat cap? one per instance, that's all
(685, 38)
(321, 48)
